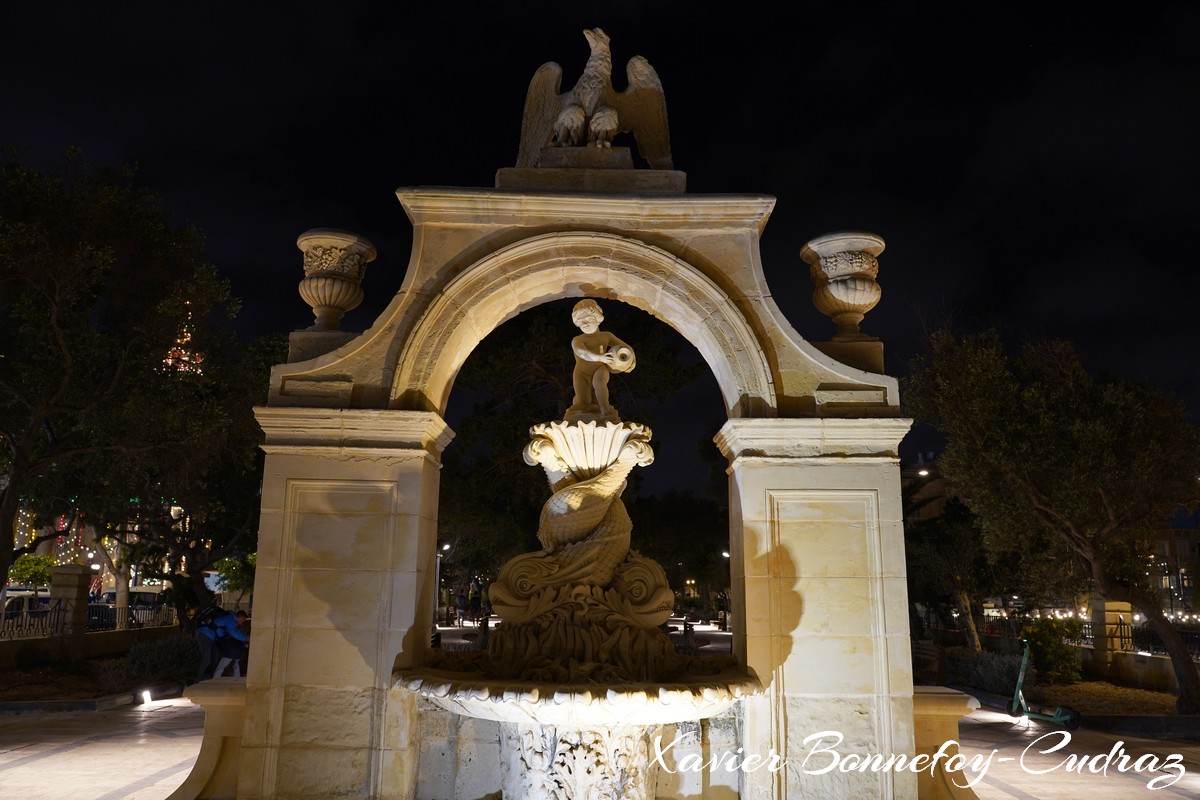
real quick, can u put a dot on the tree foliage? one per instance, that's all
(236, 573)
(96, 284)
(1078, 472)
(947, 561)
(32, 571)
(686, 535)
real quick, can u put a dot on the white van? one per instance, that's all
(26, 603)
(140, 597)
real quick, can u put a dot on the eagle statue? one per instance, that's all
(592, 112)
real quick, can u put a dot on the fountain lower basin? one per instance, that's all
(525, 702)
(580, 740)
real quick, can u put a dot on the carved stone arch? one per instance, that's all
(556, 265)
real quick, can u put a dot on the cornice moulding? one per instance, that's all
(289, 428)
(811, 437)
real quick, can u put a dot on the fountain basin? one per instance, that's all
(579, 740)
(528, 702)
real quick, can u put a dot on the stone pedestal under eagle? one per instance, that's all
(591, 113)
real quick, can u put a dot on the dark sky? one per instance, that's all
(1030, 165)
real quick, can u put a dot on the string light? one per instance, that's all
(181, 357)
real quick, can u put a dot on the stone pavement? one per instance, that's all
(140, 752)
(1034, 760)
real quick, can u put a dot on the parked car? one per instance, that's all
(26, 604)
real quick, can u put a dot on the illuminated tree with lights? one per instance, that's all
(1064, 467)
(181, 357)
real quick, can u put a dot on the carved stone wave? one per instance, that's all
(584, 608)
(581, 634)
(584, 527)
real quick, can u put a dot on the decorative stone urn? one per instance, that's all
(843, 268)
(334, 264)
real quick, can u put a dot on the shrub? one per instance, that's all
(1049, 649)
(171, 658)
(111, 675)
(991, 672)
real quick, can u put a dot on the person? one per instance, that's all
(475, 599)
(223, 625)
(230, 651)
(689, 639)
(597, 354)
(461, 603)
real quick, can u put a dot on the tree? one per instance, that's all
(180, 511)
(236, 574)
(946, 558)
(32, 571)
(687, 535)
(1066, 466)
(125, 396)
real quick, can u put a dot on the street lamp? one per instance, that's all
(437, 583)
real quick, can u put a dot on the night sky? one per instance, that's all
(1030, 166)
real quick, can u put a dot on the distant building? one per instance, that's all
(1175, 563)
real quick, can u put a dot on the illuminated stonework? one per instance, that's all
(334, 265)
(843, 268)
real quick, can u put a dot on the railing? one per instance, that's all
(38, 623)
(103, 617)
(1143, 639)
(1124, 636)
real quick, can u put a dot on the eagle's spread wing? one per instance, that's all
(642, 109)
(542, 106)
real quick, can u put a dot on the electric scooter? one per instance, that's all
(1063, 715)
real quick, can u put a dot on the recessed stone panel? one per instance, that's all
(341, 497)
(835, 665)
(323, 541)
(325, 657)
(345, 598)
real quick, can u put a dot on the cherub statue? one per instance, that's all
(597, 354)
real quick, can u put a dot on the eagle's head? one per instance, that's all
(596, 38)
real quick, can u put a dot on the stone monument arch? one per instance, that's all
(354, 433)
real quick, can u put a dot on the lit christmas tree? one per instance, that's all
(181, 357)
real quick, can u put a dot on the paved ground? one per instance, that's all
(1036, 760)
(132, 753)
(144, 752)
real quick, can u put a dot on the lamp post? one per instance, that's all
(437, 583)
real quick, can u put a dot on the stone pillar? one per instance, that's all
(820, 600)
(343, 595)
(1107, 617)
(69, 591)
